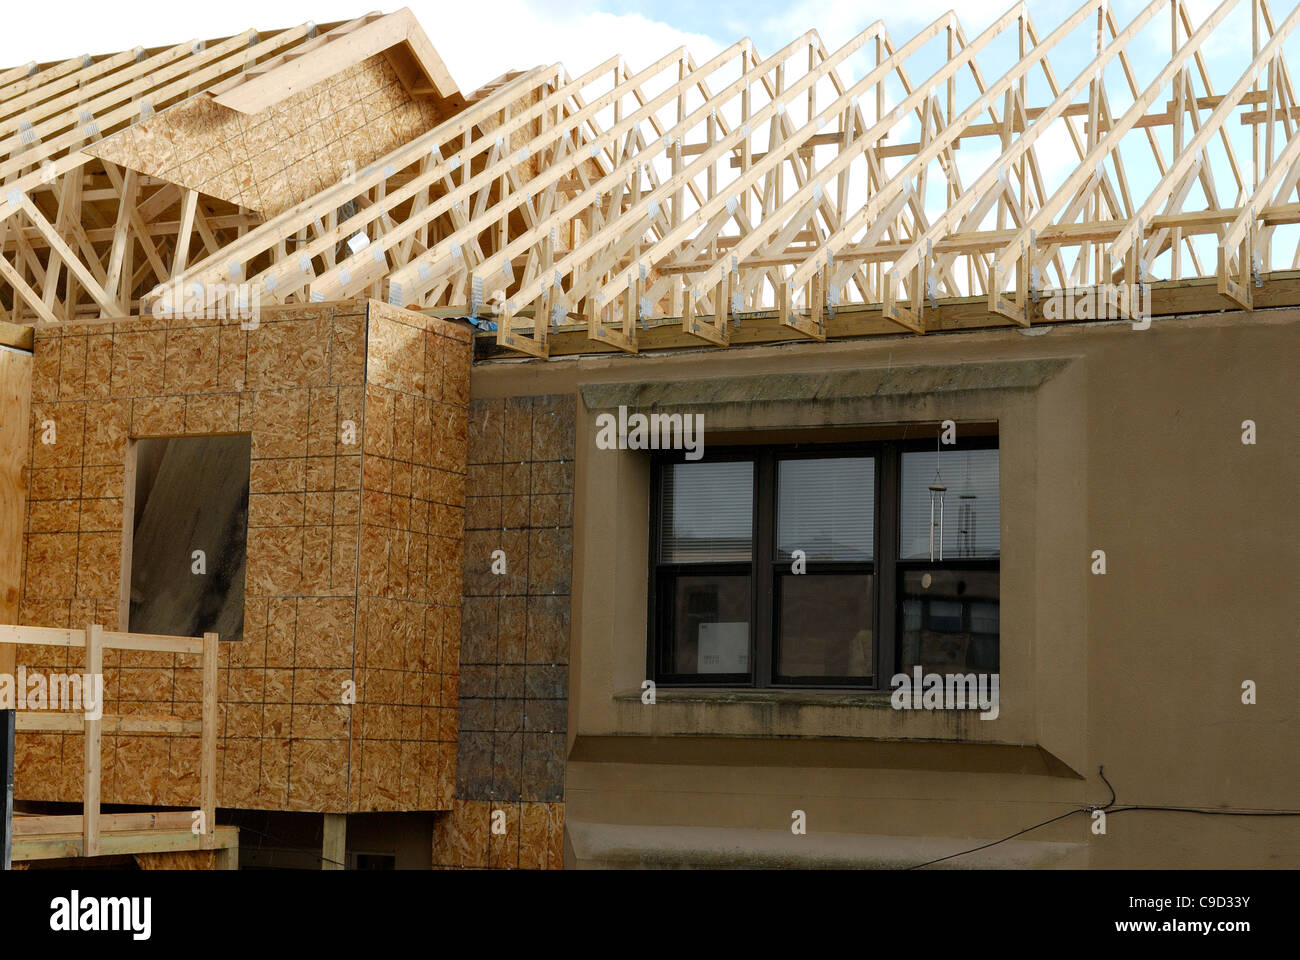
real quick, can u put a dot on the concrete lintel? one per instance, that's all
(823, 387)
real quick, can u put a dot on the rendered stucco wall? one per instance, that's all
(1114, 439)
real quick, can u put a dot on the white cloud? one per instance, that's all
(479, 40)
(521, 36)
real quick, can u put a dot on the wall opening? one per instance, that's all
(188, 535)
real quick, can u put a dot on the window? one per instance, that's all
(949, 580)
(824, 566)
(189, 530)
(706, 552)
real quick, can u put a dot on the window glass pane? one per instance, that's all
(708, 512)
(969, 514)
(950, 620)
(826, 508)
(984, 618)
(710, 618)
(825, 626)
(911, 614)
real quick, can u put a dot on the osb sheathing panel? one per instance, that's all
(411, 532)
(529, 836)
(354, 552)
(515, 628)
(179, 860)
(272, 160)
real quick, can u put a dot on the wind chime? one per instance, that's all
(937, 491)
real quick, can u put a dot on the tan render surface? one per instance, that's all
(1131, 443)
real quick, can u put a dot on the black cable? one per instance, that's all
(1101, 771)
(994, 843)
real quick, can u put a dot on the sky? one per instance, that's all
(480, 40)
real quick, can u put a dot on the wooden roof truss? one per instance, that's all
(697, 195)
(84, 238)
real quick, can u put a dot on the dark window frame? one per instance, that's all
(765, 568)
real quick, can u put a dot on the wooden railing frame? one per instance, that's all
(95, 639)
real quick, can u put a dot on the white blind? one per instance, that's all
(972, 519)
(826, 508)
(708, 512)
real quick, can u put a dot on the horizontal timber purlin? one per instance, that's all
(692, 194)
(160, 837)
(1168, 299)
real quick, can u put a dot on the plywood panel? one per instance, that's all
(499, 835)
(15, 400)
(358, 420)
(284, 154)
(408, 592)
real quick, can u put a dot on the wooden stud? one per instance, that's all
(91, 769)
(334, 843)
(208, 748)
